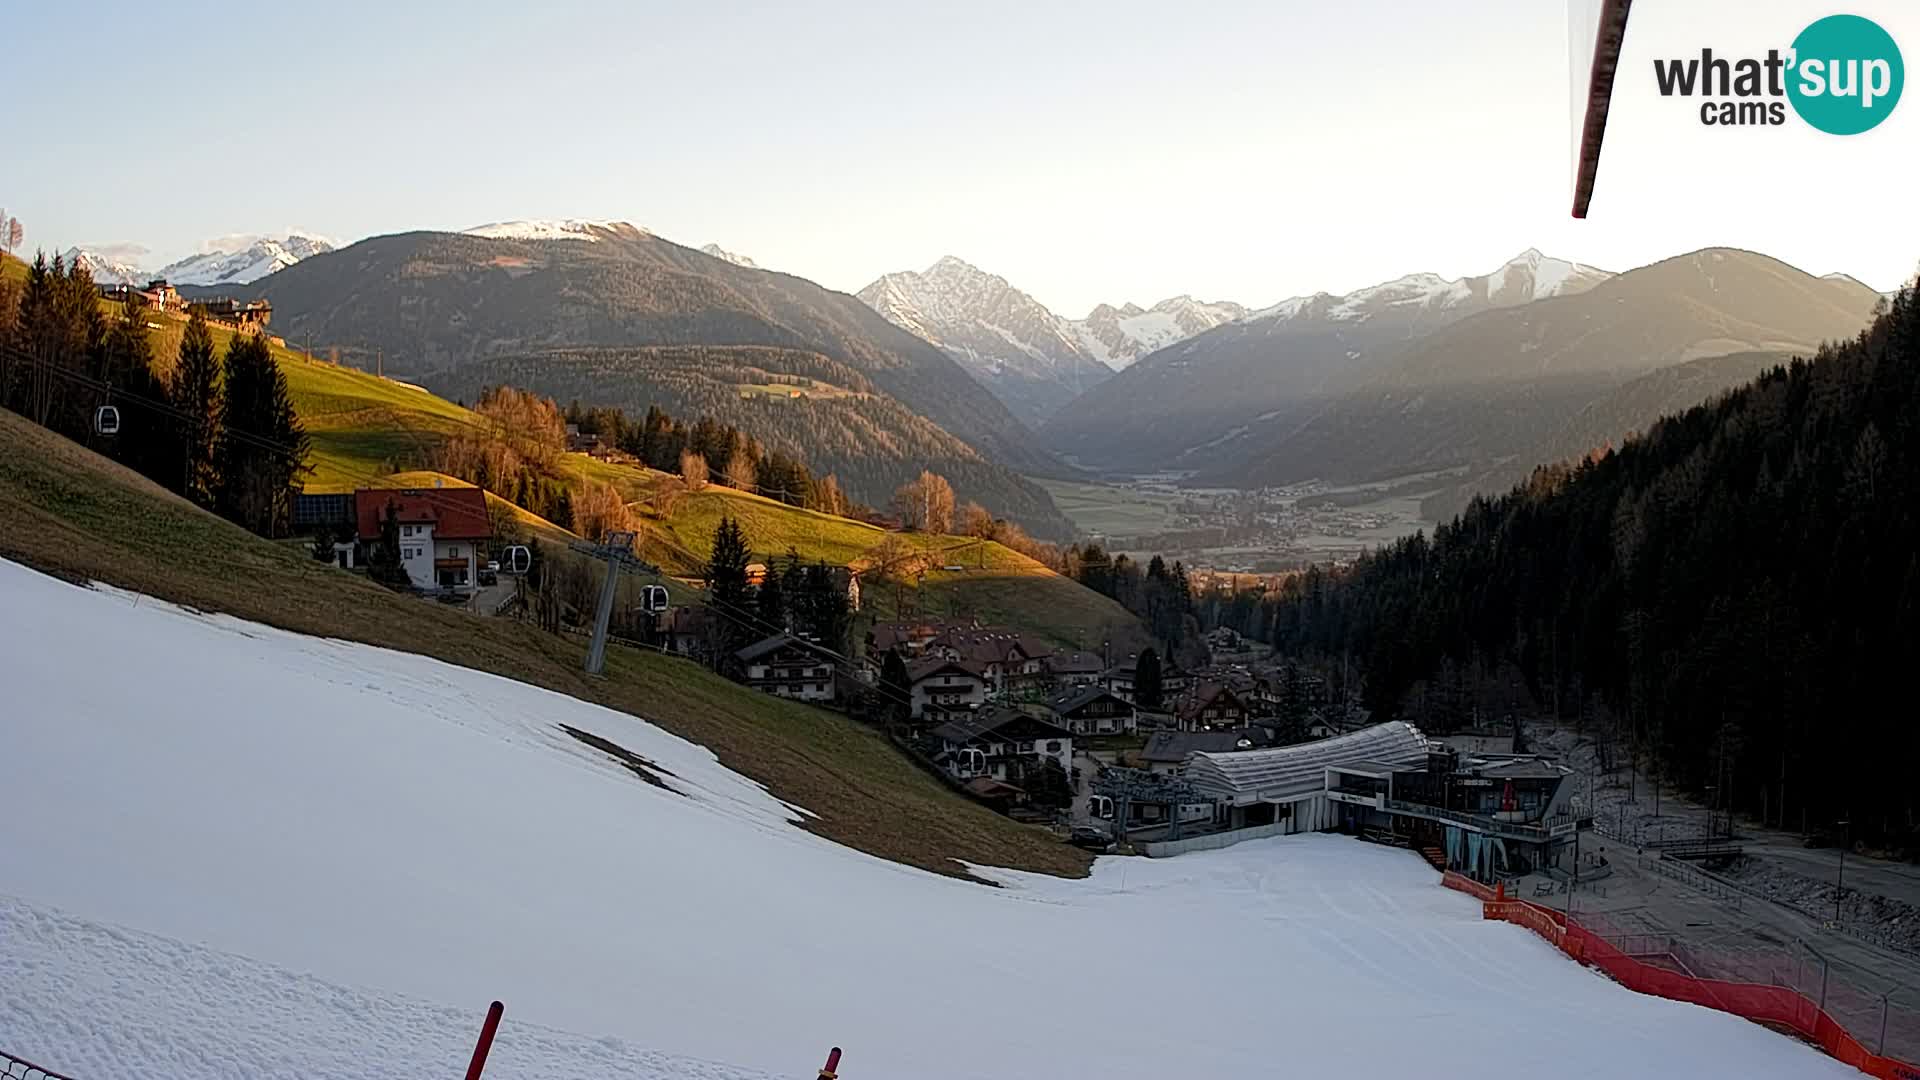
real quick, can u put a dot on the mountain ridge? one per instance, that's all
(430, 302)
(265, 255)
(1032, 358)
(1271, 364)
(1497, 384)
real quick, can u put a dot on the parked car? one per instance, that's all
(1090, 837)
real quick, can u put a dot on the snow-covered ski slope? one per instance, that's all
(229, 851)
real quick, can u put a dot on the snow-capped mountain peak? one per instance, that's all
(106, 270)
(264, 256)
(1033, 359)
(1538, 276)
(1528, 276)
(223, 265)
(553, 229)
(1119, 336)
(735, 258)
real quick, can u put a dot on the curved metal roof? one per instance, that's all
(1289, 771)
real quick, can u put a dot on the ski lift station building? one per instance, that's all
(1490, 814)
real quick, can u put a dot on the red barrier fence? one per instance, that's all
(1775, 1006)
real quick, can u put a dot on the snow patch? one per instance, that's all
(415, 838)
(562, 229)
(736, 259)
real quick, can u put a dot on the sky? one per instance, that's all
(1248, 150)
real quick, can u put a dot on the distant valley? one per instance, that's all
(1466, 383)
(1473, 381)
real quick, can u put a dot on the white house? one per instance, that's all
(946, 685)
(444, 532)
(785, 666)
(1002, 744)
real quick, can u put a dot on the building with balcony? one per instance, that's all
(1491, 815)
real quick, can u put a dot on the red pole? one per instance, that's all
(486, 1040)
(830, 1071)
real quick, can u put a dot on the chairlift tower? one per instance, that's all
(617, 550)
(1128, 786)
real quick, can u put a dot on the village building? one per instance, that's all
(443, 531)
(1075, 669)
(940, 686)
(1091, 710)
(687, 630)
(786, 666)
(242, 313)
(1167, 751)
(909, 638)
(1211, 707)
(331, 515)
(1011, 663)
(1488, 816)
(579, 443)
(157, 294)
(1001, 744)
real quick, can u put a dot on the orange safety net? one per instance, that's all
(1777, 1006)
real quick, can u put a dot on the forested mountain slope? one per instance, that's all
(426, 304)
(1742, 581)
(801, 403)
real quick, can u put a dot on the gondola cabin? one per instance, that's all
(516, 560)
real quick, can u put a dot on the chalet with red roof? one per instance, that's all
(443, 531)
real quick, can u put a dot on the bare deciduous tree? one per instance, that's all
(827, 496)
(975, 521)
(740, 473)
(599, 510)
(665, 496)
(926, 504)
(693, 470)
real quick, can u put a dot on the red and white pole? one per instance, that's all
(830, 1071)
(485, 1044)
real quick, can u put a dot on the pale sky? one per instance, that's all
(1088, 152)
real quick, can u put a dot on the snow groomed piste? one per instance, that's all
(249, 853)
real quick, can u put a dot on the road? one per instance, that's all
(1896, 881)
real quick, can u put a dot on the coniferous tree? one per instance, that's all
(1149, 691)
(896, 683)
(727, 589)
(384, 563)
(147, 434)
(1291, 710)
(828, 615)
(59, 331)
(195, 392)
(262, 450)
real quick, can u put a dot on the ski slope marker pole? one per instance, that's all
(830, 1071)
(486, 1040)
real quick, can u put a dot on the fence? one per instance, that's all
(1695, 878)
(1161, 849)
(1780, 1006)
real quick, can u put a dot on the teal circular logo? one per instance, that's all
(1847, 75)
